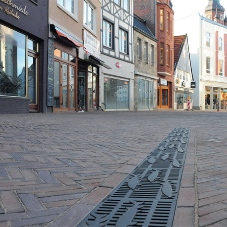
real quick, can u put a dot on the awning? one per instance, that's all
(67, 36)
(97, 61)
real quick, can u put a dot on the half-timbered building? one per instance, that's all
(117, 84)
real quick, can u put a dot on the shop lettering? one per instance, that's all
(19, 8)
(10, 12)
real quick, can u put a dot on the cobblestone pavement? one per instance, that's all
(54, 168)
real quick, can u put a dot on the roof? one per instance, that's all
(178, 45)
(140, 25)
(212, 22)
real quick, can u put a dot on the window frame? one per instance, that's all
(127, 5)
(208, 65)
(162, 53)
(139, 49)
(161, 19)
(168, 55)
(220, 44)
(208, 37)
(220, 73)
(168, 21)
(120, 46)
(93, 16)
(75, 8)
(146, 51)
(152, 54)
(111, 33)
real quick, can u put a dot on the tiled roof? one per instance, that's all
(178, 41)
(141, 25)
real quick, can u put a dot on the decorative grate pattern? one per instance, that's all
(148, 196)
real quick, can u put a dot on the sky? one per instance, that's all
(184, 8)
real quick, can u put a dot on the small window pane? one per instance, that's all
(126, 5)
(32, 45)
(208, 39)
(90, 68)
(65, 56)
(57, 53)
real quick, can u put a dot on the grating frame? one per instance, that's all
(148, 196)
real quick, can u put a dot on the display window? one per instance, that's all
(145, 94)
(19, 66)
(116, 93)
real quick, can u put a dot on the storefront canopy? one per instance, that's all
(96, 61)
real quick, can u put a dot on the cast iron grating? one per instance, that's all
(148, 195)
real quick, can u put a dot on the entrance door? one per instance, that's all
(163, 97)
(63, 86)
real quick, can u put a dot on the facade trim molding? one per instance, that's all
(146, 75)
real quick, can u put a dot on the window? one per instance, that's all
(88, 15)
(168, 55)
(139, 49)
(107, 34)
(126, 4)
(167, 21)
(117, 1)
(152, 54)
(208, 39)
(208, 65)
(162, 53)
(161, 19)
(123, 41)
(68, 5)
(146, 52)
(220, 44)
(220, 67)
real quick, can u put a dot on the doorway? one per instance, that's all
(64, 91)
(163, 97)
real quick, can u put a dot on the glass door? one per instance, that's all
(81, 97)
(32, 80)
(163, 97)
(64, 86)
(94, 93)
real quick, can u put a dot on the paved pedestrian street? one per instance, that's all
(55, 168)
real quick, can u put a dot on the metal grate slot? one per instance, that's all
(148, 196)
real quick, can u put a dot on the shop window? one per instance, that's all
(107, 34)
(152, 54)
(146, 52)
(220, 67)
(215, 98)
(139, 49)
(220, 44)
(161, 19)
(162, 53)
(65, 56)
(68, 5)
(208, 65)
(88, 15)
(12, 63)
(208, 39)
(123, 41)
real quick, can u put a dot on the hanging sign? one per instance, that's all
(106, 79)
(193, 84)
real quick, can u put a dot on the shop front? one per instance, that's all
(215, 98)
(22, 60)
(182, 97)
(164, 94)
(144, 93)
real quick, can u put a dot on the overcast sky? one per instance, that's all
(183, 8)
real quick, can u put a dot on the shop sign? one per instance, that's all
(126, 82)
(118, 65)
(163, 82)
(106, 79)
(193, 84)
(177, 81)
(10, 11)
(91, 44)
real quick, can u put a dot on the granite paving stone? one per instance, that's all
(49, 157)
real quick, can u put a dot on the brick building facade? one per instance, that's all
(162, 26)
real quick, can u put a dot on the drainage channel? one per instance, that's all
(148, 196)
